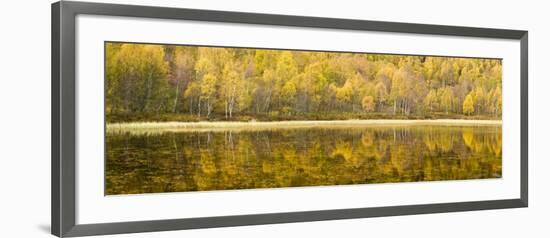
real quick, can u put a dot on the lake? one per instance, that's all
(202, 160)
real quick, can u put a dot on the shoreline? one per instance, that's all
(263, 125)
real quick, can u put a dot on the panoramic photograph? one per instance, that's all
(183, 118)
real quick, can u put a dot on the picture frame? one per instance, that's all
(64, 107)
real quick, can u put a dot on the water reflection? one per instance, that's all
(197, 161)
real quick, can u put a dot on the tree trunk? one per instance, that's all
(148, 92)
(177, 97)
(208, 108)
(230, 107)
(226, 109)
(191, 106)
(199, 108)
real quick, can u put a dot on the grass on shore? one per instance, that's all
(159, 127)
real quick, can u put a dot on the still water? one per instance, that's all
(272, 158)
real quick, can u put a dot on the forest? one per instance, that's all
(148, 82)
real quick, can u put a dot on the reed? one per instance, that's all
(204, 126)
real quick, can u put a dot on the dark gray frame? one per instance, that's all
(63, 118)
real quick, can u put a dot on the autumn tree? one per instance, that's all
(136, 76)
(446, 98)
(368, 103)
(468, 105)
(431, 100)
(181, 61)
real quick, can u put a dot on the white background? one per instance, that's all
(94, 207)
(25, 138)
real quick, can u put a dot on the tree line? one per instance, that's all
(215, 83)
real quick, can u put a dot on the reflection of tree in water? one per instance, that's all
(300, 157)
